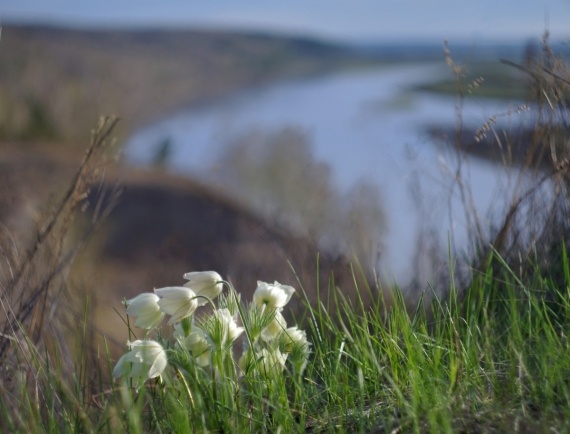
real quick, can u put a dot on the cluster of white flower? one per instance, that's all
(208, 340)
(272, 342)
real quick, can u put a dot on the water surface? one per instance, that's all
(364, 124)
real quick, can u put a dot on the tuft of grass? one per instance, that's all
(496, 360)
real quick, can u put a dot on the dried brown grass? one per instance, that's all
(534, 219)
(39, 313)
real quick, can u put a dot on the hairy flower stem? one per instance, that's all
(186, 389)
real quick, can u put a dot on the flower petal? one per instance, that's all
(177, 301)
(175, 292)
(145, 307)
(205, 284)
(274, 296)
(122, 367)
(274, 328)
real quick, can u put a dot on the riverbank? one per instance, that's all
(521, 147)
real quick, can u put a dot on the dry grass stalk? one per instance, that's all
(28, 293)
(534, 213)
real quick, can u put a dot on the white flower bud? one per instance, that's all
(205, 284)
(177, 301)
(146, 309)
(146, 359)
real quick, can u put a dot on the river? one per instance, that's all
(365, 125)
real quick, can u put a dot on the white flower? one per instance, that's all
(246, 361)
(205, 284)
(271, 363)
(145, 307)
(226, 330)
(274, 328)
(272, 295)
(177, 301)
(267, 363)
(146, 359)
(183, 328)
(293, 338)
(294, 343)
(199, 346)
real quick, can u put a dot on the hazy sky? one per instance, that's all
(360, 20)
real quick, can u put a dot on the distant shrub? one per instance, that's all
(277, 174)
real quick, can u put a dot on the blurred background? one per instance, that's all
(271, 141)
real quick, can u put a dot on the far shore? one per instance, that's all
(515, 147)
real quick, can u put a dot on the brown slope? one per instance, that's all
(162, 226)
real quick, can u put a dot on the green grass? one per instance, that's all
(494, 361)
(485, 80)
